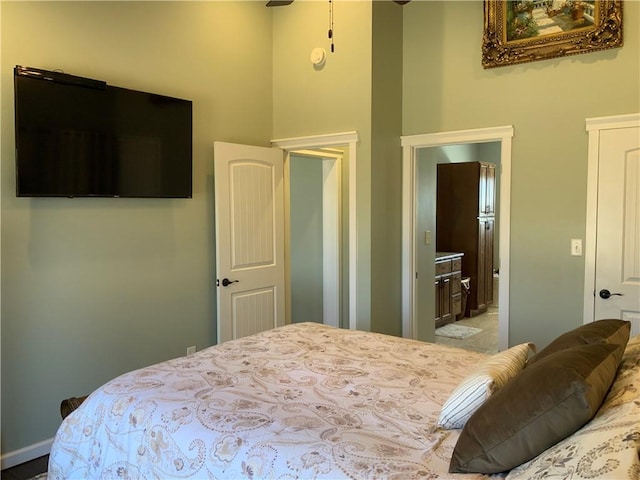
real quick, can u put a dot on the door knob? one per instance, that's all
(604, 293)
(226, 282)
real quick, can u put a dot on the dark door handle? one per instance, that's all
(604, 293)
(226, 282)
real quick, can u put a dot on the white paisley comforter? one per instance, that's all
(302, 401)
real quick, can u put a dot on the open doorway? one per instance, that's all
(466, 240)
(419, 263)
(314, 236)
(327, 147)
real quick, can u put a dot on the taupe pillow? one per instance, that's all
(545, 403)
(601, 331)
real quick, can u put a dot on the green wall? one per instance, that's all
(359, 88)
(335, 98)
(95, 287)
(305, 240)
(547, 102)
(386, 168)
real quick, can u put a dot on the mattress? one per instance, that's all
(301, 401)
(308, 401)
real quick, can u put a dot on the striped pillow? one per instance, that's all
(475, 389)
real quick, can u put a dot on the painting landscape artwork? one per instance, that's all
(526, 19)
(520, 31)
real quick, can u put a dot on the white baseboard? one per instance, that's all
(26, 454)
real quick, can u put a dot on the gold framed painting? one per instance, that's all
(520, 31)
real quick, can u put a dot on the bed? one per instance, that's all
(310, 401)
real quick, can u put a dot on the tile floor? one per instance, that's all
(485, 341)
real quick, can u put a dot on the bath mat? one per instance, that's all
(460, 332)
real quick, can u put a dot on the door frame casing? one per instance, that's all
(350, 139)
(410, 145)
(594, 126)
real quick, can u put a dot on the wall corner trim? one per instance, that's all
(26, 454)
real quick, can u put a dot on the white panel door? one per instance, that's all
(249, 209)
(617, 283)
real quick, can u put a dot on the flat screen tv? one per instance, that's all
(79, 137)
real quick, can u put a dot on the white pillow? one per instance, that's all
(476, 388)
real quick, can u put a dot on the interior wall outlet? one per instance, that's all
(191, 350)
(576, 247)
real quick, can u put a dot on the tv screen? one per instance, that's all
(78, 137)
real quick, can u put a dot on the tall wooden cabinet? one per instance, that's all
(465, 222)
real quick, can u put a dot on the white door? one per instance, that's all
(249, 209)
(617, 262)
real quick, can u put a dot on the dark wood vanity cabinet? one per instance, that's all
(465, 222)
(448, 292)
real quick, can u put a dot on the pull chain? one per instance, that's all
(331, 25)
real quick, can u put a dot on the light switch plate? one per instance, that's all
(576, 247)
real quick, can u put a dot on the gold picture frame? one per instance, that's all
(523, 31)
